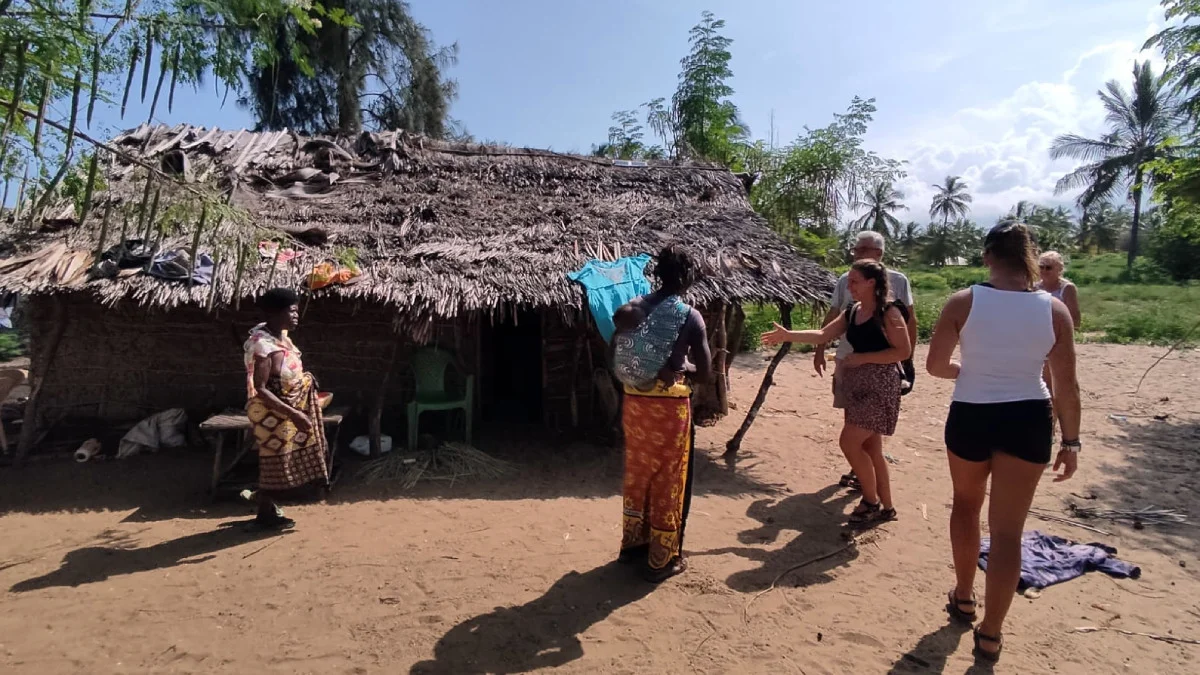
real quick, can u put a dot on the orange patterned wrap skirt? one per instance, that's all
(658, 470)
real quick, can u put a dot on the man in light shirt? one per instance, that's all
(868, 245)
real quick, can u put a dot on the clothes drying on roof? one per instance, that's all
(610, 285)
(1047, 560)
(176, 265)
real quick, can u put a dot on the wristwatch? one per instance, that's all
(1071, 446)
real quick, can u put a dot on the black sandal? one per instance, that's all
(849, 480)
(272, 522)
(983, 654)
(677, 566)
(864, 512)
(954, 607)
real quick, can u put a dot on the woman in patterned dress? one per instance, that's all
(875, 327)
(283, 405)
(669, 339)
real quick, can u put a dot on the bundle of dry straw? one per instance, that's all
(450, 461)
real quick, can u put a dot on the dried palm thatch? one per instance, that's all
(438, 229)
(450, 462)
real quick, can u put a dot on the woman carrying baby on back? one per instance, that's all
(660, 349)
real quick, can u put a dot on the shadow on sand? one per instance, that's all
(174, 485)
(933, 651)
(542, 633)
(93, 564)
(817, 517)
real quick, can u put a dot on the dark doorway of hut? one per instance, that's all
(512, 362)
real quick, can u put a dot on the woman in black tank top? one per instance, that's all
(877, 331)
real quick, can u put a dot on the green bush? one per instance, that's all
(12, 345)
(1175, 245)
(928, 282)
(762, 318)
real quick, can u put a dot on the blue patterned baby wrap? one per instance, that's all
(639, 354)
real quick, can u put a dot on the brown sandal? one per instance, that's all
(954, 607)
(983, 654)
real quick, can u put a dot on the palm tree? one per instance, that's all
(1139, 126)
(1019, 213)
(1101, 226)
(951, 200)
(880, 201)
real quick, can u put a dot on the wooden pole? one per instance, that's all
(722, 358)
(375, 415)
(735, 443)
(38, 374)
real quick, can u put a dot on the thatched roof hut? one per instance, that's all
(449, 238)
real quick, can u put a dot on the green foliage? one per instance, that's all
(1140, 126)
(926, 281)
(951, 200)
(625, 139)
(372, 57)
(946, 242)
(13, 344)
(1154, 314)
(1180, 45)
(810, 183)
(1175, 246)
(879, 203)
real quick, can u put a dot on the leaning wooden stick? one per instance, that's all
(735, 443)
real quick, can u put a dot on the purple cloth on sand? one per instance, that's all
(1047, 560)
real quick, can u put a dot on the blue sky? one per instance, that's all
(976, 89)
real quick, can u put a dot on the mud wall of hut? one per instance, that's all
(117, 365)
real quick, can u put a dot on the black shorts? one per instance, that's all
(1023, 429)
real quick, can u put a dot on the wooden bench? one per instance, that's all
(231, 422)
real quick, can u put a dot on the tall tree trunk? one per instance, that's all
(1137, 218)
(349, 106)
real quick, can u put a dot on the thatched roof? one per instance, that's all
(437, 228)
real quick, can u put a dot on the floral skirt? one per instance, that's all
(871, 394)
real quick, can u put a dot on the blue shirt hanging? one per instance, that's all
(610, 285)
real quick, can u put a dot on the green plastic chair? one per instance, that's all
(429, 371)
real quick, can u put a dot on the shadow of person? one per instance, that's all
(933, 651)
(542, 633)
(93, 564)
(818, 519)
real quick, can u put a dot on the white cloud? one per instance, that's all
(1001, 149)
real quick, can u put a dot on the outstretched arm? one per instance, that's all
(780, 335)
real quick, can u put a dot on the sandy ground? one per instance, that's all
(124, 567)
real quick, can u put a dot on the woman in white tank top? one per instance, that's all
(1001, 421)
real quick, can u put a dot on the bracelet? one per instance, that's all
(1071, 446)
